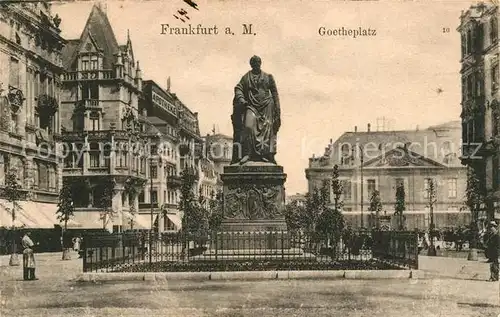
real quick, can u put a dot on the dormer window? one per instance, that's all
(85, 64)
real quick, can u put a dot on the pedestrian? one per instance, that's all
(76, 243)
(492, 245)
(28, 257)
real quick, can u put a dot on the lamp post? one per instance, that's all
(361, 157)
(151, 205)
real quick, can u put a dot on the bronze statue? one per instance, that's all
(256, 116)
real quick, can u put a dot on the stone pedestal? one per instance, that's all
(254, 200)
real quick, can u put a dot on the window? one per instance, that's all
(493, 30)
(371, 184)
(93, 64)
(94, 155)
(85, 65)
(165, 196)
(154, 196)
(90, 91)
(141, 197)
(154, 171)
(107, 154)
(452, 188)
(470, 86)
(14, 73)
(469, 41)
(94, 121)
(494, 77)
(43, 176)
(154, 149)
(346, 189)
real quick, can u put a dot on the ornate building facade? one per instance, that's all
(105, 141)
(179, 148)
(218, 151)
(30, 85)
(481, 100)
(161, 111)
(382, 160)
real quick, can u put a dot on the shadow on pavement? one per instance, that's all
(480, 305)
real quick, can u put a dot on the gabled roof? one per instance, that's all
(99, 28)
(401, 157)
(69, 52)
(434, 143)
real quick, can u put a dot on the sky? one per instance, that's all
(327, 84)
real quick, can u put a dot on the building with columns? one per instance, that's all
(105, 140)
(30, 87)
(382, 160)
(480, 78)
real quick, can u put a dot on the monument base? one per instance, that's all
(254, 200)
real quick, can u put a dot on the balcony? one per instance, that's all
(90, 104)
(89, 75)
(147, 205)
(174, 181)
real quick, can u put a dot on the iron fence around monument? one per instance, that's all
(249, 251)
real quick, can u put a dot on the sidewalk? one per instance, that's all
(458, 268)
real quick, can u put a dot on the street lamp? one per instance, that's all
(152, 210)
(361, 156)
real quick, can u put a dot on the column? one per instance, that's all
(116, 205)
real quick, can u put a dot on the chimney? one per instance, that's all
(369, 125)
(355, 128)
(331, 141)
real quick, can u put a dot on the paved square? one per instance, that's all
(56, 295)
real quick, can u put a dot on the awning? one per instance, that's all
(31, 214)
(176, 219)
(143, 221)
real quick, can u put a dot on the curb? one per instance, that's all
(249, 275)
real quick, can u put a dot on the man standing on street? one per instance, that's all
(492, 245)
(28, 258)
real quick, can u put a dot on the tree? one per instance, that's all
(216, 211)
(295, 214)
(337, 189)
(330, 223)
(65, 211)
(13, 193)
(431, 195)
(106, 200)
(375, 206)
(194, 219)
(400, 205)
(474, 199)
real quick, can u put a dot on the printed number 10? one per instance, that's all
(446, 30)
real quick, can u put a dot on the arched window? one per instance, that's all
(494, 30)
(94, 121)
